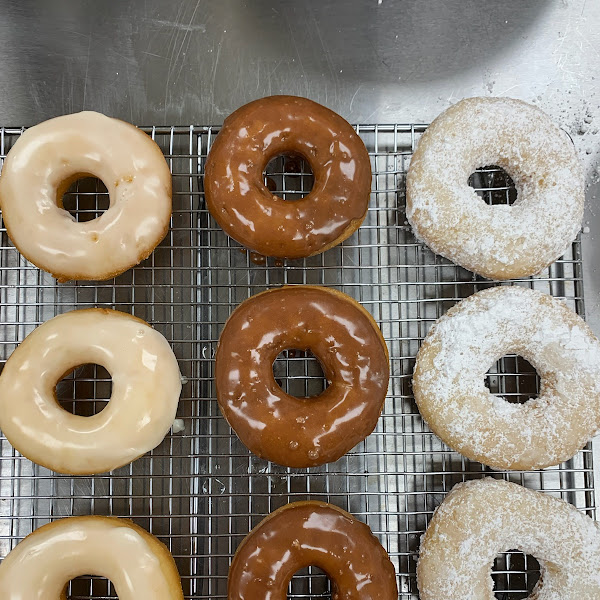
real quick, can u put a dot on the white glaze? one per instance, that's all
(128, 162)
(460, 348)
(499, 241)
(482, 518)
(138, 564)
(146, 385)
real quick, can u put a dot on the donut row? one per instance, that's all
(498, 241)
(448, 381)
(476, 521)
(295, 536)
(48, 158)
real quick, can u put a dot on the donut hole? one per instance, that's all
(494, 185)
(513, 378)
(515, 575)
(85, 390)
(309, 582)
(90, 586)
(299, 373)
(289, 176)
(85, 199)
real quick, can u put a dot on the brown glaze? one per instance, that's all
(301, 432)
(311, 533)
(243, 206)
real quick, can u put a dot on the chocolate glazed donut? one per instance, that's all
(240, 202)
(311, 533)
(301, 432)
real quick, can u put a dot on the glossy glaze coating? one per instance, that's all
(138, 565)
(311, 533)
(146, 384)
(42, 164)
(301, 432)
(243, 206)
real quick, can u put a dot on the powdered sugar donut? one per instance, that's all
(480, 519)
(500, 241)
(451, 365)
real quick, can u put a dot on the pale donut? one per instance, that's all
(460, 348)
(480, 519)
(137, 563)
(42, 164)
(501, 241)
(146, 386)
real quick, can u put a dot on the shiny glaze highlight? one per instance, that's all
(243, 206)
(311, 533)
(138, 565)
(301, 432)
(145, 394)
(42, 164)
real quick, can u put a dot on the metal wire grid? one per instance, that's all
(201, 491)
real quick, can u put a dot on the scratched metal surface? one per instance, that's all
(382, 61)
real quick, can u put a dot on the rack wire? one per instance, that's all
(201, 490)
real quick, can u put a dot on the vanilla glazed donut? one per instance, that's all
(242, 205)
(48, 158)
(291, 431)
(313, 533)
(482, 518)
(146, 384)
(500, 241)
(460, 348)
(137, 563)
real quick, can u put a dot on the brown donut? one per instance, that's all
(301, 432)
(311, 533)
(240, 202)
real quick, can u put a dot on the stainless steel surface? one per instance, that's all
(201, 490)
(194, 61)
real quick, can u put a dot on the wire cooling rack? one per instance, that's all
(201, 491)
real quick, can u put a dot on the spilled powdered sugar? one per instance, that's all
(482, 518)
(495, 240)
(461, 347)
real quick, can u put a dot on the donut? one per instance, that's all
(449, 389)
(48, 158)
(291, 431)
(482, 518)
(246, 210)
(146, 387)
(311, 533)
(137, 564)
(500, 241)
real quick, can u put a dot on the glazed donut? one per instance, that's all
(311, 533)
(500, 241)
(137, 564)
(482, 518)
(48, 158)
(301, 432)
(238, 199)
(146, 387)
(449, 387)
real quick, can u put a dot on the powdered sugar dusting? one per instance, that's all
(461, 347)
(496, 241)
(480, 519)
